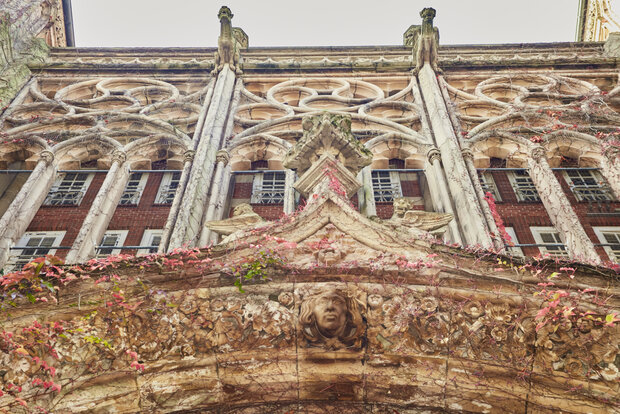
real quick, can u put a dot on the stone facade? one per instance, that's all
(358, 195)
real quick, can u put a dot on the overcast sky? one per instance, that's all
(153, 23)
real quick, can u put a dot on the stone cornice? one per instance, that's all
(355, 58)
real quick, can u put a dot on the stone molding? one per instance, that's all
(222, 157)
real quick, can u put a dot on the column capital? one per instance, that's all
(188, 156)
(222, 156)
(433, 155)
(467, 154)
(119, 156)
(46, 156)
(538, 153)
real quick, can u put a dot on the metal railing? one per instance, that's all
(131, 197)
(58, 197)
(274, 196)
(166, 194)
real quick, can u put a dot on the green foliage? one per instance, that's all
(255, 268)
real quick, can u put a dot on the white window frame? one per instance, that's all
(513, 250)
(133, 190)
(523, 186)
(268, 187)
(147, 240)
(120, 235)
(487, 182)
(384, 191)
(16, 262)
(612, 253)
(168, 188)
(587, 185)
(65, 191)
(540, 233)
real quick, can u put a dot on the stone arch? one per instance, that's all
(142, 152)
(258, 147)
(73, 153)
(500, 144)
(401, 146)
(585, 148)
(24, 152)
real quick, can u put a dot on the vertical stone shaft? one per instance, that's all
(469, 215)
(96, 222)
(188, 158)
(366, 194)
(222, 198)
(610, 168)
(440, 193)
(20, 213)
(289, 192)
(188, 223)
(560, 211)
(222, 161)
(468, 156)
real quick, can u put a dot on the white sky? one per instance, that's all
(168, 23)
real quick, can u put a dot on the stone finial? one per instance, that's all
(424, 39)
(227, 47)
(222, 156)
(328, 133)
(46, 156)
(327, 149)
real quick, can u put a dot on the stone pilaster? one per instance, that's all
(188, 159)
(289, 192)
(461, 189)
(222, 157)
(20, 213)
(558, 207)
(96, 222)
(439, 192)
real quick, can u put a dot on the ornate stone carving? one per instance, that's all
(243, 217)
(330, 318)
(405, 215)
(538, 153)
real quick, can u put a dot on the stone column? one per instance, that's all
(439, 192)
(366, 194)
(22, 210)
(222, 157)
(188, 158)
(470, 216)
(560, 211)
(468, 157)
(189, 220)
(610, 169)
(289, 192)
(96, 222)
(222, 202)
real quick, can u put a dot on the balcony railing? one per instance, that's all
(59, 197)
(166, 194)
(268, 196)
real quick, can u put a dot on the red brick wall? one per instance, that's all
(523, 215)
(146, 215)
(67, 218)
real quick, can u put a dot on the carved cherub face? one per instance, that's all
(330, 313)
(331, 319)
